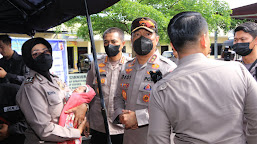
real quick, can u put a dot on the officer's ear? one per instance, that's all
(204, 41)
(255, 41)
(172, 46)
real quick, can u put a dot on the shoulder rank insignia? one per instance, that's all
(146, 98)
(29, 80)
(38, 77)
(101, 65)
(153, 58)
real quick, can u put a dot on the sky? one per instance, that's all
(239, 3)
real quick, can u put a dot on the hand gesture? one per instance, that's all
(79, 112)
(87, 130)
(128, 118)
(4, 132)
(2, 72)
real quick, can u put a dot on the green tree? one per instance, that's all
(216, 12)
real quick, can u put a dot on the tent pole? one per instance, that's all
(103, 108)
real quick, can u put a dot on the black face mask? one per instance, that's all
(43, 62)
(242, 49)
(143, 46)
(112, 50)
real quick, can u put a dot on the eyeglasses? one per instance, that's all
(36, 53)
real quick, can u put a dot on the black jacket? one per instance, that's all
(11, 114)
(15, 68)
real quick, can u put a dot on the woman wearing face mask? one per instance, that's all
(42, 95)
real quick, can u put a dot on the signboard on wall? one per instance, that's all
(76, 80)
(60, 63)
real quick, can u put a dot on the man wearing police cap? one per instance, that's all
(133, 92)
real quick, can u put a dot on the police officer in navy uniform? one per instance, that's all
(245, 44)
(12, 67)
(12, 74)
(109, 67)
(134, 87)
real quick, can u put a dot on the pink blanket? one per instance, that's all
(76, 99)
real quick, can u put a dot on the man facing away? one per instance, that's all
(109, 68)
(203, 100)
(245, 44)
(135, 85)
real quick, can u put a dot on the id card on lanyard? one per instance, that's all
(252, 67)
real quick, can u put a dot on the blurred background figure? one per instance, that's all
(12, 67)
(245, 44)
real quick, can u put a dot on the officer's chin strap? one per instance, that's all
(103, 108)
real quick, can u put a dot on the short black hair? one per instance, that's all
(6, 39)
(115, 29)
(186, 27)
(248, 27)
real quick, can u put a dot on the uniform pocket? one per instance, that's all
(144, 93)
(53, 98)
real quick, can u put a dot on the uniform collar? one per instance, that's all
(14, 56)
(121, 61)
(38, 76)
(192, 57)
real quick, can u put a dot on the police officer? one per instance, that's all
(12, 67)
(245, 44)
(135, 85)
(203, 100)
(109, 67)
(12, 74)
(42, 95)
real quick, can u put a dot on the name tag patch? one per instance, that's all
(50, 93)
(11, 108)
(126, 77)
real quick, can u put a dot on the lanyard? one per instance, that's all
(252, 65)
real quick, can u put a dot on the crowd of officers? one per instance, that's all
(199, 100)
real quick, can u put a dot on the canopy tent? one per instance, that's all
(245, 12)
(30, 16)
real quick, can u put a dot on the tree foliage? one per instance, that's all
(216, 12)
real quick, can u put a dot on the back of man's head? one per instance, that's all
(5, 39)
(185, 28)
(248, 27)
(115, 29)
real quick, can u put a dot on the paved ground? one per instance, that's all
(86, 140)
